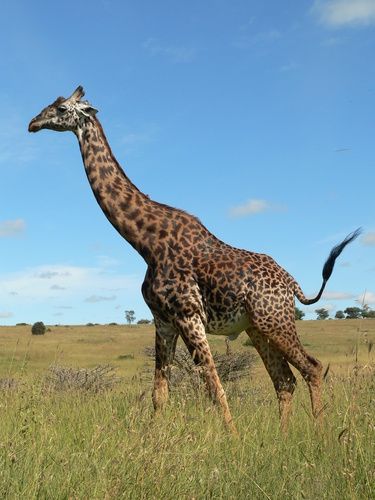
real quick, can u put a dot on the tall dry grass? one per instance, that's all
(86, 444)
(82, 443)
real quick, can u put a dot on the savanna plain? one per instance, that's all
(61, 441)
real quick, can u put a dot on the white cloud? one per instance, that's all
(47, 275)
(107, 261)
(327, 307)
(338, 13)
(338, 295)
(253, 207)
(6, 314)
(368, 239)
(93, 299)
(70, 282)
(10, 228)
(175, 53)
(366, 298)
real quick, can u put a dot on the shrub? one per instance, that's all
(7, 384)
(38, 328)
(99, 378)
(230, 366)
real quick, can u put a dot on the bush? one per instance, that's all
(230, 366)
(7, 384)
(99, 378)
(38, 328)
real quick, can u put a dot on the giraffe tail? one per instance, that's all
(327, 269)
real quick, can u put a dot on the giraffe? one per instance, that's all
(196, 284)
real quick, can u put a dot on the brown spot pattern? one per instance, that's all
(194, 282)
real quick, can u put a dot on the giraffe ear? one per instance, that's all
(88, 110)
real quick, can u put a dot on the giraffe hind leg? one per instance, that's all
(311, 370)
(286, 341)
(278, 369)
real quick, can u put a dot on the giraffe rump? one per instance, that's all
(327, 268)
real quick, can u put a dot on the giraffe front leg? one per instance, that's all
(193, 334)
(165, 347)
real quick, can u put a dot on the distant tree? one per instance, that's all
(144, 322)
(38, 328)
(340, 315)
(298, 314)
(130, 316)
(353, 312)
(322, 313)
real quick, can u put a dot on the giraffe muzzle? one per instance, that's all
(34, 126)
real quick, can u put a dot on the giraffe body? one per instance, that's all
(195, 284)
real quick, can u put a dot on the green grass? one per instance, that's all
(334, 342)
(109, 445)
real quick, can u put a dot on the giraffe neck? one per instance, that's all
(156, 231)
(121, 201)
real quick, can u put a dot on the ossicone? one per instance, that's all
(77, 94)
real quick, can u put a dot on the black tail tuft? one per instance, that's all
(335, 252)
(328, 268)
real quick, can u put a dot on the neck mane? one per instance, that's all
(155, 230)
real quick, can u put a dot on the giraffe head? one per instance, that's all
(64, 114)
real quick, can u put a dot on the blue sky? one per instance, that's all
(258, 117)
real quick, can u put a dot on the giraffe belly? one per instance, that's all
(229, 324)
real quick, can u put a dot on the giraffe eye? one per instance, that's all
(62, 109)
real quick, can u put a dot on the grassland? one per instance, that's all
(82, 444)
